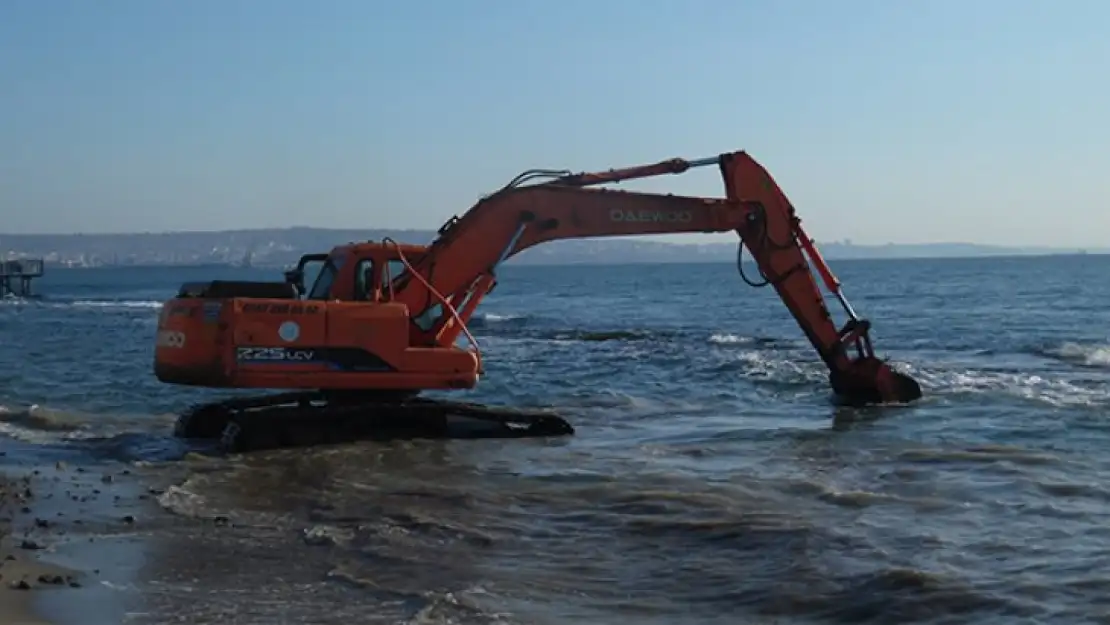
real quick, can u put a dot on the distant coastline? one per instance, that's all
(276, 247)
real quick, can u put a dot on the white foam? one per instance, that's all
(179, 500)
(730, 339)
(116, 304)
(763, 365)
(1091, 355)
(106, 305)
(1049, 390)
(494, 318)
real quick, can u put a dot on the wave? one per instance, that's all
(521, 330)
(147, 304)
(725, 339)
(730, 339)
(107, 305)
(601, 336)
(1093, 355)
(494, 318)
(1044, 389)
(104, 435)
(36, 418)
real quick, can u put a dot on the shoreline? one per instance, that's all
(60, 526)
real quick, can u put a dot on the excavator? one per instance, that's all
(382, 321)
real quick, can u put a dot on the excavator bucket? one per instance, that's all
(869, 380)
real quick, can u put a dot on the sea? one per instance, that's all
(711, 480)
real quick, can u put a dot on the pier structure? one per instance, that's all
(16, 275)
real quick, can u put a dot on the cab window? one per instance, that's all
(393, 269)
(426, 320)
(398, 273)
(321, 289)
(365, 281)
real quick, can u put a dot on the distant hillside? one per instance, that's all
(277, 247)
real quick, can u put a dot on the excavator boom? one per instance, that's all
(567, 206)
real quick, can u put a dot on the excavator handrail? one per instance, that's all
(439, 296)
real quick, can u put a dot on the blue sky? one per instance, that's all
(904, 121)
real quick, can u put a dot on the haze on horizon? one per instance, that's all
(909, 122)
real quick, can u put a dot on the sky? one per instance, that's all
(884, 121)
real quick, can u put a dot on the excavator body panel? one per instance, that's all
(191, 344)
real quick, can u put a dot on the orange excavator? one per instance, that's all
(382, 320)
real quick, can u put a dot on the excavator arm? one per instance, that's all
(460, 267)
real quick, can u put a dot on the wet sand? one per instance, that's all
(22, 573)
(52, 573)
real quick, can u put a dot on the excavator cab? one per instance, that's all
(364, 272)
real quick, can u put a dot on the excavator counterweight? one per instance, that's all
(381, 321)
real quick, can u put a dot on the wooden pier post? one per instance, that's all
(16, 276)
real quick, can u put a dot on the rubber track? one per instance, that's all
(302, 419)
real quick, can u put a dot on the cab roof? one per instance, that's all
(367, 248)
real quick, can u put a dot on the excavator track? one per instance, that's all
(305, 419)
